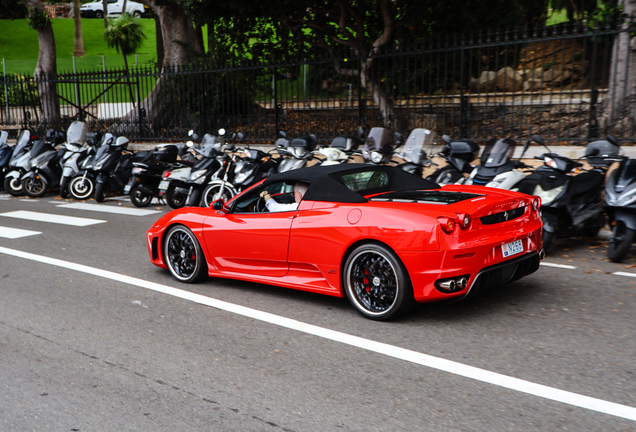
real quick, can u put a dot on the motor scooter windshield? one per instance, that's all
(4, 136)
(22, 141)
(414, 147)
(627, 175)
(500, 153)
(76, 132)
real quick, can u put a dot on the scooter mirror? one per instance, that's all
(221, 132)
(612, 139)
(240, 136)
(538, 139)
(230, 147)
(446, 139)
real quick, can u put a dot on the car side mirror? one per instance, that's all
(219, 205)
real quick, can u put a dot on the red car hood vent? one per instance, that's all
(425, 197)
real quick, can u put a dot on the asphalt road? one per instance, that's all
(83, 348)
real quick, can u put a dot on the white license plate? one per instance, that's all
(127, 189)
(164, 184)
(513, 248)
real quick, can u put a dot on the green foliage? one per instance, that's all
(125, 34)
(21, 91)
(38, 19)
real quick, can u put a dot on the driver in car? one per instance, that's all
(274, 206)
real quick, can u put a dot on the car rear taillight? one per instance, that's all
(166, 174)
(447, 224)
(536, 203)
(464, 221)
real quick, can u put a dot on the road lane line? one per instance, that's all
(482, 375)
(14, 233)
(625, 274)
(52, 218)
(108, 209)
(563, 266)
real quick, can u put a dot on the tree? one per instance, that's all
(105, 12)
(620, 100)
(46, 67)
(78, 43)
(125, 35)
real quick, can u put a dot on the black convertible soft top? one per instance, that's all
(326, 184)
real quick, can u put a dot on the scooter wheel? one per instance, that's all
(13, 186)
(99, 192)
(34, 187)
(621, 242)
(175, 199)
(139, 198)
(64, 187)
(81, 188)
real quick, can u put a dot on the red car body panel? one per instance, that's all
(306, 249)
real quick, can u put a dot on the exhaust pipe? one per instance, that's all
(448, 285)
(462, 283)
(542, 254)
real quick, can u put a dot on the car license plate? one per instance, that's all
(513, 248)
(164, 184)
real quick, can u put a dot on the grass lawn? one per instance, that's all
(19, 46)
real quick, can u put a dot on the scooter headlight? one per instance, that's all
(547, 196)
(376, 156)
(72, 147)
(496, 183)
(198, 176)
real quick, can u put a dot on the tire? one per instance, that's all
(621, 242)
(175, 199)
(99, 14)
(99, 192)
(13, 186)
(213, 192)
(183, 255)
(376, 282)
(138, 197)
(64, 187)
(34, 187)
(137, 14)
(81, 189)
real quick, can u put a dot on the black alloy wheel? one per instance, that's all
(174, 198)
(99, 192)
(183, 255)
(376, 282)
(34, 187)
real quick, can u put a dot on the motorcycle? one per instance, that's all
(620, 205)
(497, 168)
(82, 184)
(295, 153)
(379, 145)
(414, 153)
(341, 149)
(113, 167)
(571, 205)
(143, 185)
(27, 147)
(5, 154)
(45, 169)
(458, 156)
(79, 144)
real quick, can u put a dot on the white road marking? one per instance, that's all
(563, 266)
(108, 209)
(415, 357)
(14, 233)
(52, 218)
(625, 274)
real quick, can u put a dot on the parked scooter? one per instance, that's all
(414, 152)
(497, 168)
(571, 205)
(113, 167)
(82, 184)
(296, 153)
(341, 149)
(379, 145)
(26, 148)
(173, 186)
(143, 185)
(6, 151)
(620, 205)
(45, 169)
(79, 144)
(458, 156)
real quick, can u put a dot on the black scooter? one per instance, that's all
(143, 185)
(571, 205)
(458, 156)
(113, 167)
(620, 206)
(5, 154)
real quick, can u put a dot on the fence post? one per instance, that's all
(6, 91)
(592, 124)
(275, 102)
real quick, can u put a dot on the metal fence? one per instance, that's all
(552, 81)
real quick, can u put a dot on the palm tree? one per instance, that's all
(125, 34)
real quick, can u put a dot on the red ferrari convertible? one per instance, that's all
(380, 236)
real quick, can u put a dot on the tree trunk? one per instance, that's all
(159, 40)
(199, 47)
(123, 8)
(378, 93)
(78, 43)
(620, 101)
(211, 40)
(46, 70)
(105, 8)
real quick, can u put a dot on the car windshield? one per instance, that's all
(76, 132)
